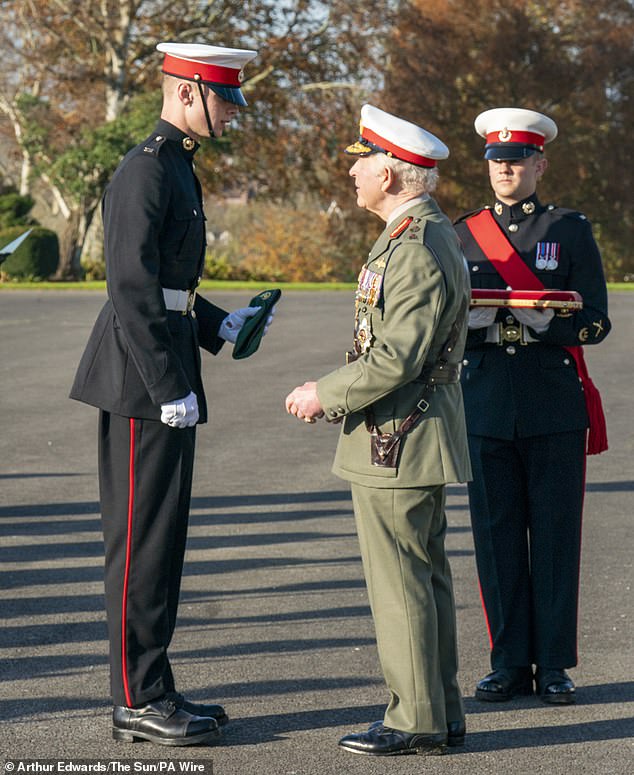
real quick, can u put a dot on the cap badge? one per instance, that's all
(189, 144)
(241, 76)
(505, 135)
(528, 208)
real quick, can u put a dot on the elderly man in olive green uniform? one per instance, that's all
(403, 436)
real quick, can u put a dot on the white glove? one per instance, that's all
(231, 325)
(269, 320)
(537, 319)
(482, 317)
(182, 413)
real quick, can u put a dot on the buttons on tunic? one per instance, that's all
(513, 227)
(511, 350)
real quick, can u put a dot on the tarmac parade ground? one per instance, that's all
(274, 619)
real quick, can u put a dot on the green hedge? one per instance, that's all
(36, 258)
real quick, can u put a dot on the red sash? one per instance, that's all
(515, 273)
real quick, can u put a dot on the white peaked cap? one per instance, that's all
(219, 67)
(381, 132)
(514, 133)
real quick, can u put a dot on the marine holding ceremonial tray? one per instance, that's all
(538, 294)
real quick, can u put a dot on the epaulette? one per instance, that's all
(465, 216)
(566, 212)
(153, 144)
(414, 230)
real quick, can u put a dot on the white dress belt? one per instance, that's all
(179, 301)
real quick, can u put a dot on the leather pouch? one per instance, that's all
(384, 448)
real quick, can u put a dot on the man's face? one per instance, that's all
(516, 179)
(221, 113)
(367, 182)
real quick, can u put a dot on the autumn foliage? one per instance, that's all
(80, 84)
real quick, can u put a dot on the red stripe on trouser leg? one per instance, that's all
(486, 618)
(126, 576)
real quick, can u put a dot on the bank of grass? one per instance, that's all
(217, 285)
(211, 285)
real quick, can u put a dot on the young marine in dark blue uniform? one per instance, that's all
(142, 368)
(527, 412)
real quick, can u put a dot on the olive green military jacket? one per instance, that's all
(409, 295)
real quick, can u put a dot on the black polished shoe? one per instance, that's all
(554, 686)
(385, 741)
(456, 731)
(216, 712)
(504, 684)
(162, 722)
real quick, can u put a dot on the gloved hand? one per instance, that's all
(231, 325)
(182, 413)
(269, 320)
(537, 319)
(482, 317)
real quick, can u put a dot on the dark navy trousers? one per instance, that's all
(526, 501)
(145, 479)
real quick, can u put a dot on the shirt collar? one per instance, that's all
(398, 211)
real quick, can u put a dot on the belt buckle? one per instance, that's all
(422, 405)
(191, 298)
(510, 333)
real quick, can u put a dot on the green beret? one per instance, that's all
(252, 331)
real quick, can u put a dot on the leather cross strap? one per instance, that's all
(385, 447)
(510, 266)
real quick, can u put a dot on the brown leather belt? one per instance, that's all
(444, 374)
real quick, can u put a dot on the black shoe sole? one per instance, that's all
(455, 741)
(516, 691)
(134, 736)
(436, 750)
(562, 698)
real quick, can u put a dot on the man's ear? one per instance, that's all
(185, 94)
(541, 166)
(388, 178)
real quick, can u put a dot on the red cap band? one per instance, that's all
(523, 138)
(185, 68)
(400, 153)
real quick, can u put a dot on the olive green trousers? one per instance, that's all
(402, 538)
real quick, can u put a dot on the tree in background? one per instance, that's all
(451, 59)
(74, 65)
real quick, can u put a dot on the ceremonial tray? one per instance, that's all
(559, 300)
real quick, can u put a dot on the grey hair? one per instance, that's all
(414, 179)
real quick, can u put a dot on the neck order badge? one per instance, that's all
(252, 331)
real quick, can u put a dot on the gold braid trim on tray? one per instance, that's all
(559, 300)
